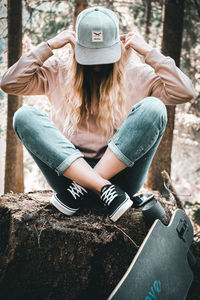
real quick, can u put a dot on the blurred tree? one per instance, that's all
(44, 19)
(79, 5)
(14, 174)
(173, 15)
(190, 58)
(148, 19)
(197, 7)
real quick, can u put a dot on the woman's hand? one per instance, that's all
(136, 42)
(63, 38)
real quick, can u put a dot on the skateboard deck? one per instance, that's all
(160, 269)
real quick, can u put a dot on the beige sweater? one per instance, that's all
(35, 73)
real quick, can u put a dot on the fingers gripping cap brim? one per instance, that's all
(88, 56)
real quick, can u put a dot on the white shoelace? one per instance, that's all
(109, 195)
(76, 190)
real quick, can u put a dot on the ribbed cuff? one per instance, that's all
(67, 162)
(42, 51)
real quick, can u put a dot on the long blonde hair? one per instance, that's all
(110, 92)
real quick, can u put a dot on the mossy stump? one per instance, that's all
(47, 255)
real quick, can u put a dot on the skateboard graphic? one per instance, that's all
(160, 269)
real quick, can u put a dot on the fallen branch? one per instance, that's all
(170, 188)
(120, 229)
(132, 241)
(167, 203)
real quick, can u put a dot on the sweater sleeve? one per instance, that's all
(167, 81)
(29, 75)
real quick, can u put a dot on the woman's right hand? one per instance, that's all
(63, 38)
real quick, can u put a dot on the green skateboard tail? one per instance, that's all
(160, 269)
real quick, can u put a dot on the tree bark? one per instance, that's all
(173, 16)
(79, 5)
(197, 7)
(47, 255)
(148, 20)
(14, 174)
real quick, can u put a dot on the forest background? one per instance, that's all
(44, 19)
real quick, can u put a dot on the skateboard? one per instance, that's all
(160, 269)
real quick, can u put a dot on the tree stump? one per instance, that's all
(47, 255)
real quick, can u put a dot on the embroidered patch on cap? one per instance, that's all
(97, 36)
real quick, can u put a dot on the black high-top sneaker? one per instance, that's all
(116, 201)
(68, 202)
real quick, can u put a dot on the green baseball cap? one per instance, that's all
(98, 41)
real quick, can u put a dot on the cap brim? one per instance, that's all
(88, 56)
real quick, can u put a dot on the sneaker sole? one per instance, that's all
(121, 209)
(62, 207)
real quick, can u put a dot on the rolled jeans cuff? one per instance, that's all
(67, 162)
(119, 154)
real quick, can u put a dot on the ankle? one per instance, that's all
(101, 185)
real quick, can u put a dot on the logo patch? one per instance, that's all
(97, 36)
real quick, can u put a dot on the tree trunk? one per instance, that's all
(79, 5)
(173, 15)
(148, 20)
(197, 7)
(14, 171)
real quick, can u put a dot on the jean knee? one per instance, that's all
(22, 116)
(155, 108)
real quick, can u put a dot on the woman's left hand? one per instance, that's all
(136, 42)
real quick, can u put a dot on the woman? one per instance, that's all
(108, 113)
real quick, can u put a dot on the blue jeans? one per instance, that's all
(134, 143)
